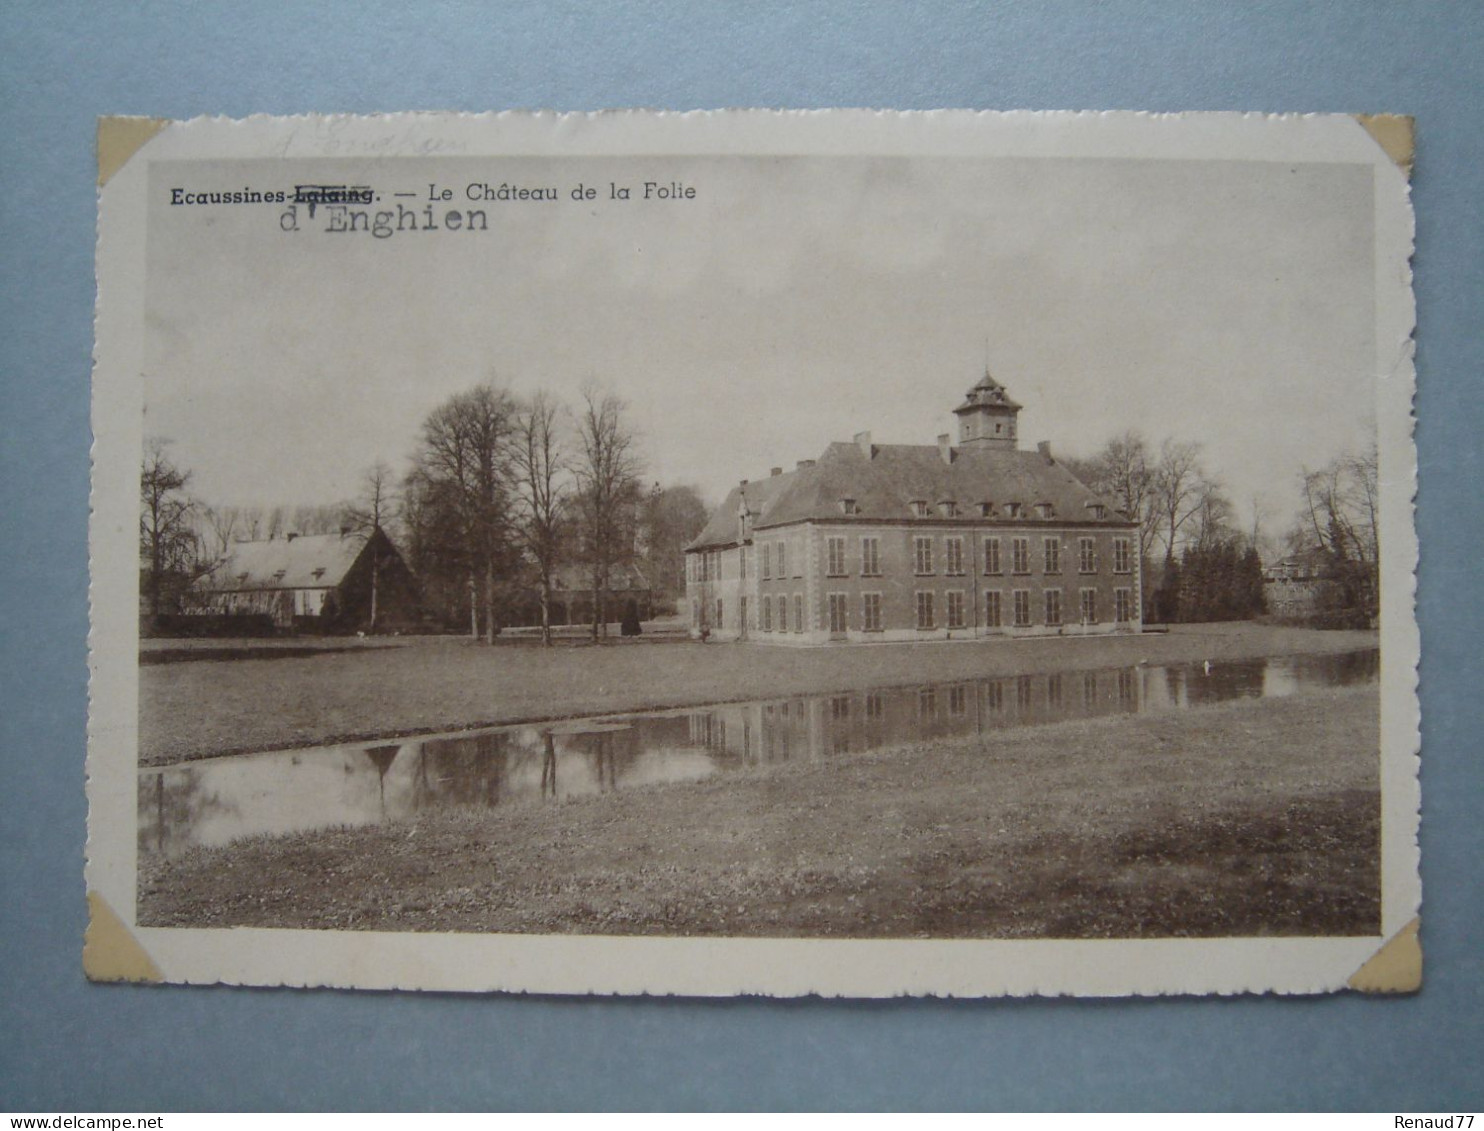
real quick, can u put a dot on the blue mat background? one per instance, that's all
(65, 1045)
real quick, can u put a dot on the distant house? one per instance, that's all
(572, 597)
(1297, 587)
(315, 582)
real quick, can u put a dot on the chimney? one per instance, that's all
(863, 442)
(945, 447)
(776, 471)
(805, 464)
(1044, 447)
(744, 484)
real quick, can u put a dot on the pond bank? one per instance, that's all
(193, 710)
(1249, 818)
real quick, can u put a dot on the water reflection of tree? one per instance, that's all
(173, 805)
(462, 771)
(382, 758)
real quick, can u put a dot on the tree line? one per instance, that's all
(501, 494)
(1198, 565)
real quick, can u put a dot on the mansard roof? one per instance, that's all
(885, 485)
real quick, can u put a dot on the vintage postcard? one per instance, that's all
(837, 553)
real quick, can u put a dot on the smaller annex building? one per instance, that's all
(877, 542)
(313, 582)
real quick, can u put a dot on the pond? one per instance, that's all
(218, 800)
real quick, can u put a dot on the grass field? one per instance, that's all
(350, 690)
(1250, 818)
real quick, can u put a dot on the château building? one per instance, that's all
(917, 542)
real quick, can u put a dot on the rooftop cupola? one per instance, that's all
(987, 417)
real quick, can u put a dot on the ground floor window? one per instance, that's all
(992, 613)
(767, 614)
(1122, 605)
(742, 615)
(871, 612)
(837, 614)
(1022, 608)
(1089, 606)
(695, 613)
(798, 613)
(955, 609)
(924, 610)
(1053, 606)
(719, 620)
(782, 614)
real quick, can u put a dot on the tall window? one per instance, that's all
(1089, 602)
(922, 555)
(871, 612)
(991, 555)
(719, 620)
(992, 612)
(798, 613)
(767, 560)
(1122, 553)
(871, 556)
(924, 609)
(742, 562)
(782, 613)
(1051, 550)
(782, 559)
(836, 557)
(955, 608)
(767, 614)
(837, 614)
(953, 550)
(1020, 555)
(1053, 606)
(1122, 606)
(1022, 608)
(1087, 555)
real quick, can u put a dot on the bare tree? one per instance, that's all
(368, 516)
(168, 547)
(1124, 472)
(607, 492)
(541, 493)
(669, 518)
(1340, 519)
(461, 474)
(1179, 489)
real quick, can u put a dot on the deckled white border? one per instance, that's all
(709, 967)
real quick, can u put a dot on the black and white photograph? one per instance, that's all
(843, 553)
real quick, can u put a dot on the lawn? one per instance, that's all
(1256, 817)
(364, 691)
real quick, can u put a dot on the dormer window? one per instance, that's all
(319, 572)
(919, 508)
(849, 506)
(948, 508)
(242, 578)
(1045, 510)
(1098, 511)
(1012, 510)
(986, 510)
